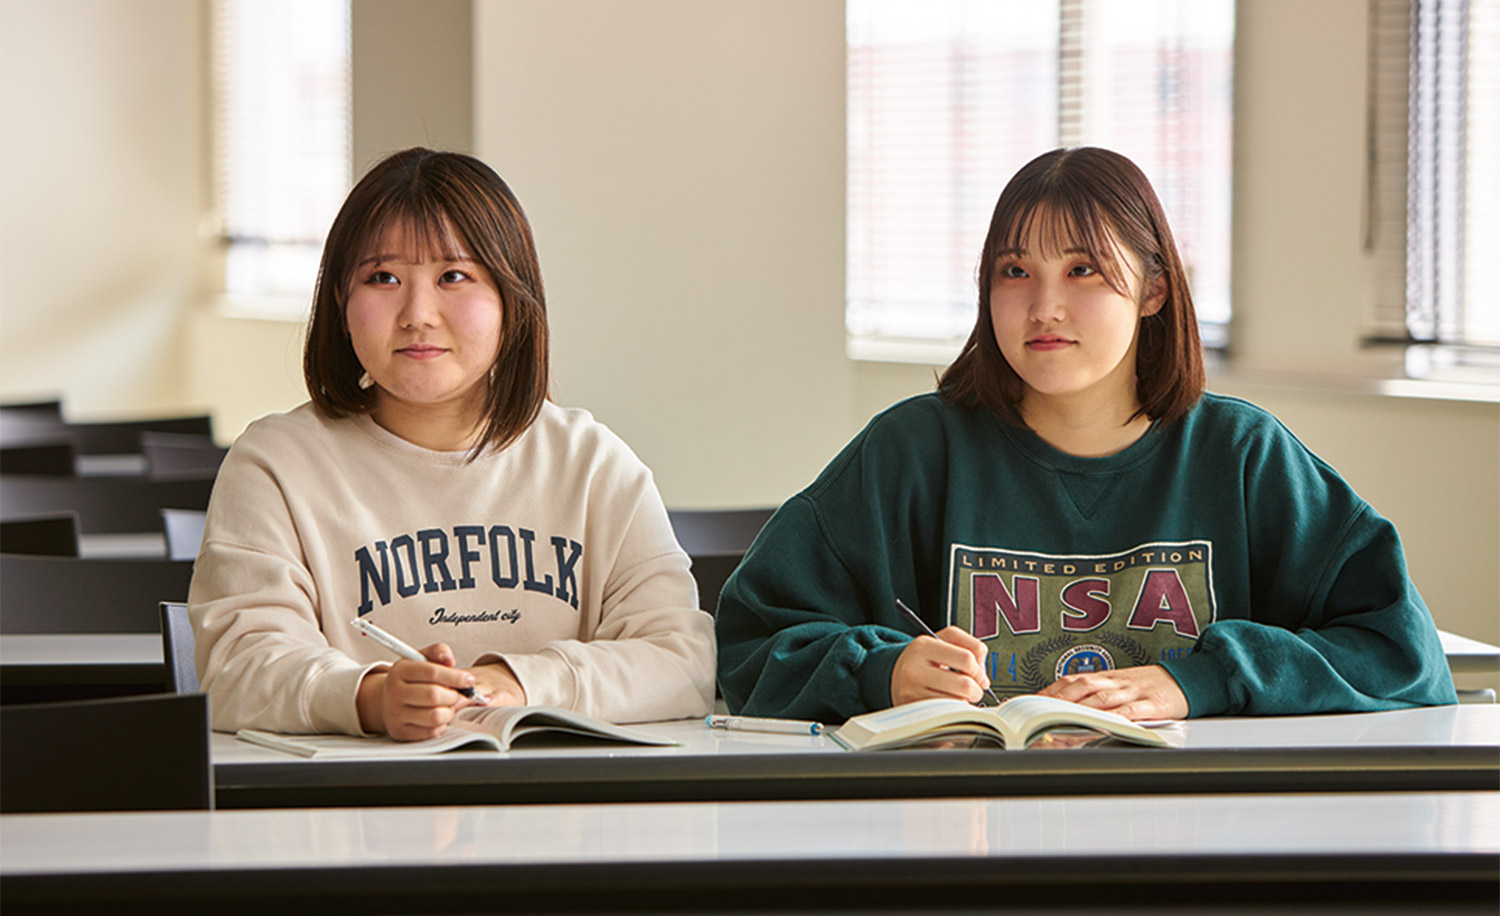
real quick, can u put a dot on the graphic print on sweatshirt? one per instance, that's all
(1043, 615)
(467, 569)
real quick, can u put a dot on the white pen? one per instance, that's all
(400, 648)
(754, 724)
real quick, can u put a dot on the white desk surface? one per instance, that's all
(1438, 726)
(1202, 825)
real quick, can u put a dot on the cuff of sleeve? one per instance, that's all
(333, 708)
(1204, 683)
(547, 677)
(875, 675)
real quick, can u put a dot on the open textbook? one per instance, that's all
(1013, 724)
(474, 728)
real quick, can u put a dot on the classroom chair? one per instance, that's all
(47, 535)
(116, 437)
(24, 422)
(105, 505)
(146, 753)
(716, 541)
(176, 455)
(41, 457)
(177, 647)
(41, 594)
(184, 531)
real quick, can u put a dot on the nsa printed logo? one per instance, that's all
(1044, 616)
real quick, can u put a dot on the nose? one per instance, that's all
(419, 308)
(1047, 304)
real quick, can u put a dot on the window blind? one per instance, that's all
(281, 138)
(946, 100)
(1434, 187)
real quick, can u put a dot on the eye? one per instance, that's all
(1011, 272)
(1082, 270)
(382, 278)
(454, 276)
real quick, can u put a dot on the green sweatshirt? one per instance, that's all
(1218, 547)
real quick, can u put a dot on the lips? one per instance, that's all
(1048, 342)
(422, 351)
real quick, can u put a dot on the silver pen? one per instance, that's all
(400, 648)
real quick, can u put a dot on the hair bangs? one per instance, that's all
(1059, 222)
(420, 222)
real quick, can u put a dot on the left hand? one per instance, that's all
(498, 684)
(1144, 692)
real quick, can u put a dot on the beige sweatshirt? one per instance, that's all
(555, 555)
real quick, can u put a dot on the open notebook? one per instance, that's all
(475, 728)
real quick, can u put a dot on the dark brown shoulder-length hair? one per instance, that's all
(443, 201)
(1090, 198)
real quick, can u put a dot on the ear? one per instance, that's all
(1156, 296)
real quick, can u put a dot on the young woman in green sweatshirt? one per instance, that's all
(1074, 516)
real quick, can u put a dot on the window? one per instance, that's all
(1434, 174)
(281, 143)
(946, 100)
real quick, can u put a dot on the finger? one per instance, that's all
(940, 682)
(439, 654)
(965, 640)
(1076, 688)
(417, 695)
(430, 673)
(947, 655)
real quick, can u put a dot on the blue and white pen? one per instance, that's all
(757, 724)
(400, 648)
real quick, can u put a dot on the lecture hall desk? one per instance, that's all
(1454, 748)
(1383, 853)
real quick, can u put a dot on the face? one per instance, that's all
(425, 327)
(1067, 333)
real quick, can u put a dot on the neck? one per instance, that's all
(441, 429)
(1085, 429)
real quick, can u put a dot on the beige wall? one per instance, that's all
(683, 164)
(101, 190)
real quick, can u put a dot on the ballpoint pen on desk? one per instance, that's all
(400, 648)
(901, 606)
(756, 724)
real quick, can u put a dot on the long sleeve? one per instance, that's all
(262, 655)
(1334, 622)
(795, 631)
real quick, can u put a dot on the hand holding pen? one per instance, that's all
(950, 668)
(406, 707)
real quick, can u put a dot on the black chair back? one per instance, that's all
(51, 458)
(716, 541)
(124, 436)
(174, 455)
(105, 505)
(46, 535)
(69, 595)
(177, 647)
(147, 753)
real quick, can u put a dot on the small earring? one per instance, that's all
(365, 382)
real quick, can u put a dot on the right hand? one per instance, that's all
(413, 701)
(948, 665)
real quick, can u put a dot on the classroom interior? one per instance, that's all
(683, 166)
